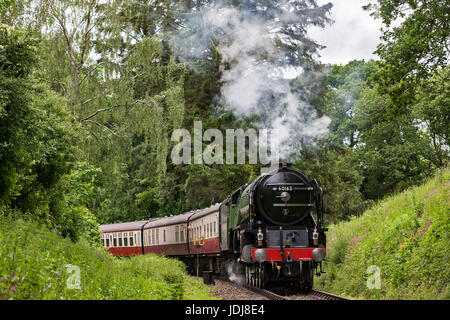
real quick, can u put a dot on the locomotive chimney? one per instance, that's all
(284, 165)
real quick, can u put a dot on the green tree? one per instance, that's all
(390, 152)
(70, 203)
(345, 84)
(17, 58)
(337, 170)
(432, 112)
(412, 50)
(38, 145)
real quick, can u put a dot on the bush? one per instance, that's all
(36, 263)
(406, 237)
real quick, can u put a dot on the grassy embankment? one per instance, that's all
(34, 264)
(407, 236)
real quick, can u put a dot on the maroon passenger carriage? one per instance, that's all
(169, 236)
(123, 239)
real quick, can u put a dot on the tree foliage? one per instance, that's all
(38, 145)
(90, 93)
(414, 45)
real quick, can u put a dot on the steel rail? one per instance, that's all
(326, 295)
(317, 294)
(262, 292)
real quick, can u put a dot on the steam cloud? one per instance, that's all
(253, 67)
(232, 273)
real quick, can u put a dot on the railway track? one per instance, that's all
(311, 295)
(289, 295)
(322, 295)
(265, 293)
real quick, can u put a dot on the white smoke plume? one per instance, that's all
(253, 66)
(233, 275)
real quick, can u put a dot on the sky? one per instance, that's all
(353, 35)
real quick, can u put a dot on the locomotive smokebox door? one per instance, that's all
(284, 198)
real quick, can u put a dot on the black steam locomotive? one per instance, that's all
(273, 233)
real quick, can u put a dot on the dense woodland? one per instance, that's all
(90, 92)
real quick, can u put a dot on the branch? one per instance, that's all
(64, 29)
(103, 110)
(110, 108)
(88, 73)
(106, 127)
(87, 30)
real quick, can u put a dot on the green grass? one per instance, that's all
(34, 265)
(407, 236)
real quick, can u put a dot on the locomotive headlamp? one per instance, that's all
(315, 237)
(318, 254)
(260, 238)
(260, 235)
(260, 255)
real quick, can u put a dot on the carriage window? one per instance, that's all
(131, 241)
(177, 236)
(107, 242)
(125, 242)
(182, 234)
(120, 242)
(115, 242)
(153, 236)
(157, 236)
(164, 235)
(214, 228)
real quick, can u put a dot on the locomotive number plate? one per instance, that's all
(284, 188)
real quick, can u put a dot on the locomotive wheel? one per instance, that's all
(254, 276)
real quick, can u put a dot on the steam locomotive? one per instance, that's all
(264, 232)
